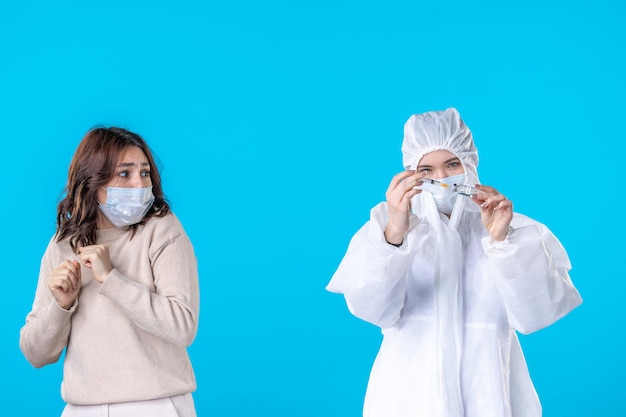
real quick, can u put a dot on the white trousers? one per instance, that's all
(176, 406)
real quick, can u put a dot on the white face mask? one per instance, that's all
(127, 206)
(445, 197)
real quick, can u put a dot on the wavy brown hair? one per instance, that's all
(92, 166)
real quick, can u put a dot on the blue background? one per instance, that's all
(278, 125)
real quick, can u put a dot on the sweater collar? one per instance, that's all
(112, 234)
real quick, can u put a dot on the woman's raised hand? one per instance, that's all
(398, 195)
(64, 283)
(96, 258)
(496, 211)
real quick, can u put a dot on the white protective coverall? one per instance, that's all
(449, 300)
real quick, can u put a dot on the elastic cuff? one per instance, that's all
(496, 243)
(397, 245)
(68, 310)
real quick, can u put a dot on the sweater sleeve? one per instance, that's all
(533, 276)
(47, 328)
(170, 312)
(371, 274)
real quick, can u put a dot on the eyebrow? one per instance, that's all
(132, 164)
(445, 162)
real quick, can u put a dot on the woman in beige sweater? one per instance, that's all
(118, 288)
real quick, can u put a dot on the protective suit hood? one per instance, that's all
(434, 131)
(440, 130)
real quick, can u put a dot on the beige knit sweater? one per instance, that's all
(126, 339)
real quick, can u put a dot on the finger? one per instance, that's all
(404, 193)
(486, 189)
(74, 279)
(93, 250)
(411, 193)
(74, 267)
(399, 178)
(407, 183)
(67, 271)
(62, 284)
(480, 197)
(88, 254)
(78, 272)
(504, 204)
(412, 182)
(478, 201)
(87, 258)
(484, 193)
(86, 248)
(493, 200)
(65, 265)
(70, 281)
(396, 195)
(406, 198)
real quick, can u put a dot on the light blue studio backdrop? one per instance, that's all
(278, 125)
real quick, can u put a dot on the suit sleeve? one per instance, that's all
(371, 274)
(533, 276)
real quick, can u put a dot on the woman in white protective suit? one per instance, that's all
(450, 279)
